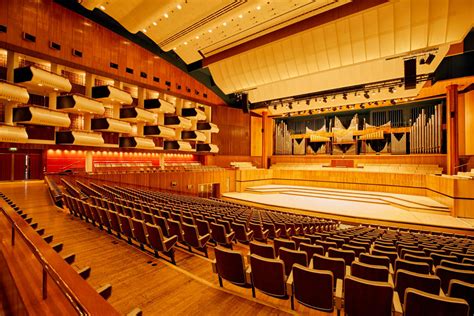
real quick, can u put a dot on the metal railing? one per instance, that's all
(47, 269)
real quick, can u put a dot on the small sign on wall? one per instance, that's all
(173, 183)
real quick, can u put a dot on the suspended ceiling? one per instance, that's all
(365, 46)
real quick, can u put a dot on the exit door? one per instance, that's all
(20, 166)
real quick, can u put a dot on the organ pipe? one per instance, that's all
(426, 131)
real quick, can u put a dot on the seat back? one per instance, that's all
(437, 257)
(125, 227)
(139, 231)
(457, 265)
(163, 223)
(363, 297)
(336, 265)
(357, 249)
(218, 233)
(464, 290)
(406, 279)
(230, 265)
(257, 231)
(203, 227)
(278, 243)
(392, 255)
(298, 240)
(268, 275)
(262, 250)
(347, 255)
(421, 303)
(311, 249)
(424, 259)
(191, 235)
(326, 244)
(114, 221)
(447, 274)
(155, 236)
(175, 229)
(313, 288)
(291, 257)
(271, 230)
(240, 232)
(413, 266)
(374, 260)
(369, 272)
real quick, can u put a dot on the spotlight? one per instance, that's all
(391, 89)
(366, 95)
(376, 103)
(344, 96)
(362, 106)
(325, 99)
(275, 107)
(334, 97)
(290, 106)
(307, 102)
(393, 102)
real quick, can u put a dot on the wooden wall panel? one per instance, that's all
(234, 136)
(49, 21)
(469, 122)
(256, 135)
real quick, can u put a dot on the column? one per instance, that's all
(89, 166)
(90, 79)
(452, 157)
(264, 139)
(12, 63)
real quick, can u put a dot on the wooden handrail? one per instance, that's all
(95, 303)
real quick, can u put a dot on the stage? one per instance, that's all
(354, 206)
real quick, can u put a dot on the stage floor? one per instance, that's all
(380, 206)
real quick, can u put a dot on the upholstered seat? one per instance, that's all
(278, 243)
(158, 242)
(230, 265)
(193, 239)
(406, 279)
(413, 266)
(219, 235)
(311, 249)
(290, 257)
(370, 272)
(268, 276)
(262, 250)
(347, 255)
(421, 303)
(242, 234)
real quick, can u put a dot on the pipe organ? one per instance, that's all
(409, 129)
(426, 132)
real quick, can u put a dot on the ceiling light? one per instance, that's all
(178, 6)
(144, 30)
(366, 95)
(393, 101)
(344, 96)
(174, 48)
(390, 89)
(102, 8)
(224, 24)
(185, 43)
(430, 58)
(166, 15)
(197, 37)
(210, 31)
(241, 16)
(154, 23)
(258, 7)
(275, 107)
(325, 100)
(307, 102)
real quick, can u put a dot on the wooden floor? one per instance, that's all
(138, 279)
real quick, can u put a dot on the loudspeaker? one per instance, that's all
(410, 74)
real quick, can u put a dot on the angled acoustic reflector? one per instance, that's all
(210, 148)
(13, 92)
(13, 134)
(111, 95)
(79, 138)
(193, 114)
(40, 116)
(108, 124)
(137, 142)
(159, 106)
(39, 80)
(178, 122)
(177, 145)
(75, 103)
(208, 127)
(133, 114)
(159, 131)
(193, 135)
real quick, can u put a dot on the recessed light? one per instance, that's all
(185, 43)
(102, 8)
(241, 16)
(224, 24)
(155, 24)
(174, 48)
(210, 31)
(178, 6)
(166, 15)
(258, 7)
(144, 30)
(197, 37)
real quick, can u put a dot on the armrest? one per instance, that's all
(397, 306)
(170, 242)
(248, 275)
(348, 270)
(390, 279)
(390, 269)
(310, 263)
(441, 293)
(289, 284)
(338, 295)
(214, 266)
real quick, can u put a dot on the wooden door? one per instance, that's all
(6, 166)
(19, 167)
(35, 166)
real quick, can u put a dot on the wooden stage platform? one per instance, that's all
(357, 206)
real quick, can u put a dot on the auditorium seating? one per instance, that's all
(364, 256)
(422, 303)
